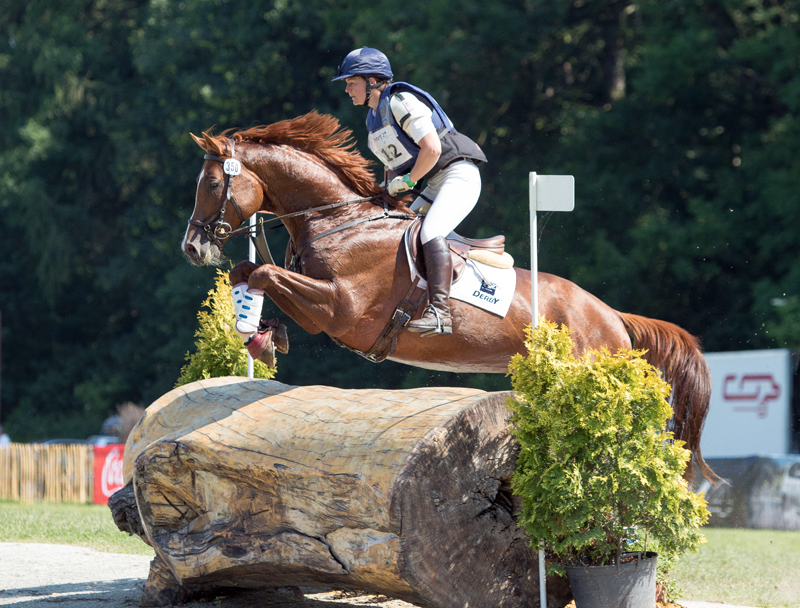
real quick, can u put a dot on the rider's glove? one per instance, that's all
(401, 183)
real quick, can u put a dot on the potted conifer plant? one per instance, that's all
(597, 472)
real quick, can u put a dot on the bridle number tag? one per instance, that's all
(232, 167)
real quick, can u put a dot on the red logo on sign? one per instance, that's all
(759, 389)
(107, 471)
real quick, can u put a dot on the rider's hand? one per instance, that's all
(401, 183)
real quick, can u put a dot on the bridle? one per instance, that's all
(216, 227)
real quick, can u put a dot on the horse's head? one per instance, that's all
(227, 195)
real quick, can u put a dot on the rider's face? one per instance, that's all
(357, 89)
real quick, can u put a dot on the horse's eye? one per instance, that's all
(214, 185)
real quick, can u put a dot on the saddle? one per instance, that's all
(488, 251)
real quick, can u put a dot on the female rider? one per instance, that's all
(413, 137)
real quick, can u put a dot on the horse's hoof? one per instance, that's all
(281, 338)
(261, 347)
(267, 356)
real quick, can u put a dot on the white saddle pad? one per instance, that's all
(486, 287)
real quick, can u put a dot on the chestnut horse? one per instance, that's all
(348, 281)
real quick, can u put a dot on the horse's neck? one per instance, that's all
(296, 179)
(298, 182)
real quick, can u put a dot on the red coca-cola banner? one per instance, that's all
(107, 471)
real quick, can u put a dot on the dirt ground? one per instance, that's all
(46, 576)
(50, 576)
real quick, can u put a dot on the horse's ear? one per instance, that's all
(199, 141)
(211, 145)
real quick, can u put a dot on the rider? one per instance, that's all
(415, 140)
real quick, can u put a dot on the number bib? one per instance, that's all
(387, 147)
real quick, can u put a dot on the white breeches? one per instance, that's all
(454, 192)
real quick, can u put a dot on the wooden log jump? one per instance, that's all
(256, 484)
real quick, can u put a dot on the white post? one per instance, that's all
(535, 312)
(250, 363)
(546, 193)
(534, 249)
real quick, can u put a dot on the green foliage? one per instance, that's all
(679, 121)
(596, 467)
(786, 328)
(219, 349)
(689, 180)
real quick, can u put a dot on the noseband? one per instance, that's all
(216, 227)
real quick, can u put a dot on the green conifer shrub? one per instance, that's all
(597, 472)
(219, 349)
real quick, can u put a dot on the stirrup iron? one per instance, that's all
(440, 328)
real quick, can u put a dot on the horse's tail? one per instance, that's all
(677, 354)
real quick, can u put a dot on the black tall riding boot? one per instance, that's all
(436, 318)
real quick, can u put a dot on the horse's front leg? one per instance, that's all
(315, 304)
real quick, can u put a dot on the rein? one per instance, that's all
(386, 214)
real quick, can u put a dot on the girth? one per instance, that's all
(386, 343)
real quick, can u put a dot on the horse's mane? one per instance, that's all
(319, 134)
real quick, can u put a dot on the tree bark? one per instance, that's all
(252, 483)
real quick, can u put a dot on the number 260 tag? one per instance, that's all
(232, 167)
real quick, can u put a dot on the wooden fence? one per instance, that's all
(33, 472)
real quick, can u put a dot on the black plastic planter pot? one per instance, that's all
(631, 585)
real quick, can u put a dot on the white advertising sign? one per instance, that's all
(750, 405)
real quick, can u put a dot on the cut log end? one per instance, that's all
(459, 515)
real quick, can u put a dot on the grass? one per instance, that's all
(744, 568)
(66, 524)
(741, 567)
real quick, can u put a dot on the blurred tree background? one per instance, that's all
(680, 120)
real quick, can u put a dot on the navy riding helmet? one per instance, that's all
(365, 62)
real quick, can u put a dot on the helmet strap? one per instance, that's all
(370, 87)
(369, 91)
